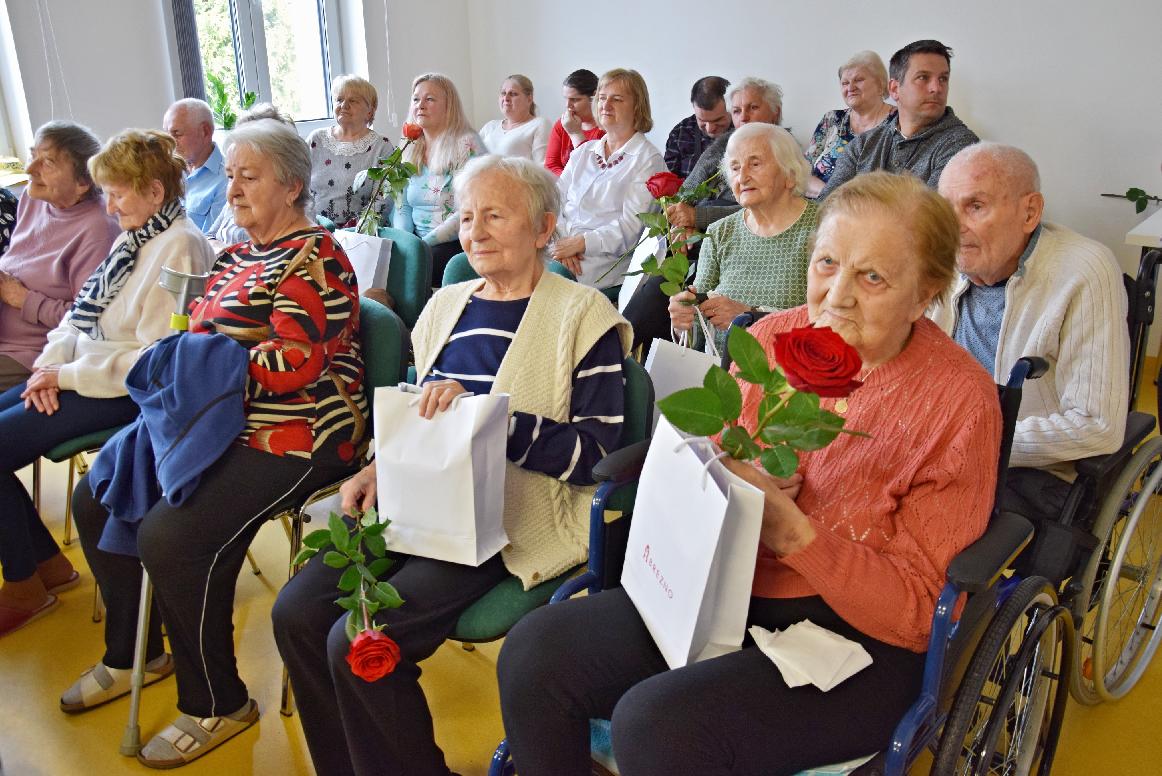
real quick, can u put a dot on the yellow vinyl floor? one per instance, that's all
(38, 662)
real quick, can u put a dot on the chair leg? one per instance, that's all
(468, 647)
(293, 523)
(287, 706)
(285, 519)
(253, 564)
(98, 604)
(36, 484)
(78, 467)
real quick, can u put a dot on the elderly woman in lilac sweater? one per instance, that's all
(62, 233)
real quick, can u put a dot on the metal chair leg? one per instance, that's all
(294, 529)
(467, 646)
(131, 739)
(253, 564)
(36, 484)
(78, 467)
(98, 604)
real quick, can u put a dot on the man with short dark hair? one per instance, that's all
(191, 122)
(923, 135)
(693, 134)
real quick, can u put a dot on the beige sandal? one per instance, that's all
(100, 684)
(188, 738)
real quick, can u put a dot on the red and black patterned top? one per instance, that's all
(294, 303)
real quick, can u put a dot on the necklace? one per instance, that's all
(604, 165)
(841, 403)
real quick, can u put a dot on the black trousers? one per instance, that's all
(648, 310)
(193, 554)
(594, 658)
(383, 727)
(442, 253)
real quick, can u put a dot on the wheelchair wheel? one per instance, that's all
(1007, 714)
(1119, 593)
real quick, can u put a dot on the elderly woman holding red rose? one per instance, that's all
(603, 186)
(857, 541)
(757, 257)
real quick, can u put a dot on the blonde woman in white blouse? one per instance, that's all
(603, 187)
(521, 132)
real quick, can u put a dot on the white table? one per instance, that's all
(1147, 234)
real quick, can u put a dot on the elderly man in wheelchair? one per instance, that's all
(859, 541)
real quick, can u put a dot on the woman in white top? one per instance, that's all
(521, 132)
(341, 152)
(603, 187)
(77, 384)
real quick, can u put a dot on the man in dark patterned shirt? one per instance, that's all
(693, 134)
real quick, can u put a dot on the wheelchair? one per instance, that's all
(1018, 624)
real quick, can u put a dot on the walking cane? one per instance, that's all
(185, 288)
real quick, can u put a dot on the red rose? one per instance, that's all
(818, 361)
(412, 131)
(664, 184)
(373, 655)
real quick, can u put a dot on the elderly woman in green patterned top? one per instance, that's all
(757, 257)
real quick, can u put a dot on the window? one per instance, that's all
(282, 50)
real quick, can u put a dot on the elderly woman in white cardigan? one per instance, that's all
(564, 417)
(78, 383)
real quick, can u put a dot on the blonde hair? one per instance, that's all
(361, 87)
(448, 151)
(137, 157)
(783, 147)
(643, 120)
(526, 86)
(871, 62)
(919, 211)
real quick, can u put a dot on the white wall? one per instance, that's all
(1074, 82)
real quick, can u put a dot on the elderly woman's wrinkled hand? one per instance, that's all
(42, 391)
(12, 291)
(682, 310)
(681, 215)
(785, 528)
(438, 396)
(568, 251)
(358, 493)
(722, 310)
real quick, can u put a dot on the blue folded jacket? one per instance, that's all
(190, 389)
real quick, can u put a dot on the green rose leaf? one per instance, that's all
(376, 544)
(376, 173)
(726, 389)
(379, 567)
(351, 625)
(748, 354)
(304, 555)
(800, 409)
(780, 461)
(370, 518)
(1135, 193)
(776, 383)
(650, 266)
(696, 411)
(656, 222)
(387, 595)
(339, 536)
(821, 433)
(1140, 205)
(739, 445)
(335, 560)
(349, 602)
(350, 579)
(317, 540)
(669, 288)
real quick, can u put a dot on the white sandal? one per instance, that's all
(188, 738)
(100, 684)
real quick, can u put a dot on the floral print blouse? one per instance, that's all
(428, 208)
(830, 140)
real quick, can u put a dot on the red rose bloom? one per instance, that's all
(818, 361)
(373, 655)
(664, 184)
(412, 131)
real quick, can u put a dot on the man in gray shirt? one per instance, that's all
(924, 135)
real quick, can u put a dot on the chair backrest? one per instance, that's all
(459, 270)
(409, 276)
(384, 341)
(639, 403)
(1140, 294)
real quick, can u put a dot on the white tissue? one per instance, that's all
(808, 654)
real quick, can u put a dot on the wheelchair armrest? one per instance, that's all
(622, 465)
(979, 564)
(1138, 427)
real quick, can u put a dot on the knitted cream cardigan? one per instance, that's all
(547, 520)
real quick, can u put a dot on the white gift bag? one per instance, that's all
(441, 481)
(693, 545)
(672, 366)
(651, 246)
(370, 257)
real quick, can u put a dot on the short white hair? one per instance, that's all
(783, 147)
(1015, 165)
(870, 61)
(772, 93)
(535, 183)
(287, 152)
(199, 110)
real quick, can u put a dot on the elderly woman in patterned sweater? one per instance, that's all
(77, 385)
(858, 541)
(477, 336)
(757, 257)
(289, 297)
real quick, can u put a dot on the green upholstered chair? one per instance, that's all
(459, 270)
(73, 451)
(498, 611)
(409, 275)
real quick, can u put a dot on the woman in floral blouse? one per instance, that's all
(864, 83)
(428, 208)
(341, 152)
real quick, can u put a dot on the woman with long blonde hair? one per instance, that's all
(428, 208)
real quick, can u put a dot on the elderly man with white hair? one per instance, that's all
(191, 122)
(1034, 288)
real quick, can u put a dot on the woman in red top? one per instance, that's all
(858, 541)
(577, 124)
(289, 297)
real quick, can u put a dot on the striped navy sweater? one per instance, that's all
(565, 450)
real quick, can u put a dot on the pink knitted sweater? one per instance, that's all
(891, 511)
